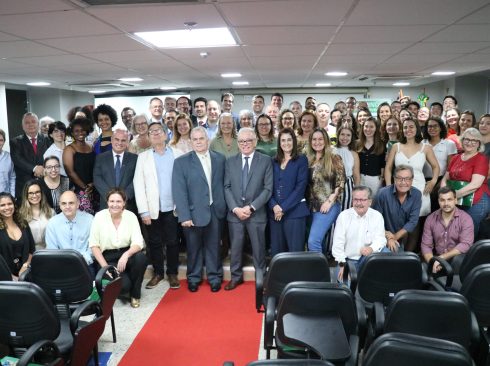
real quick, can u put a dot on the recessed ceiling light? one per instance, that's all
(336, 73)
(231, 75)
(323, 84)
(39, 83)
(168, 88)
(443, 73)
(96, 91)
(189, 38)
(130, 79)
(401, 83)
(240, 83)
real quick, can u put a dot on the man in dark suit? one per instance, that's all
(248, 187)
(197, 188)
(115, 168)
(27, 152)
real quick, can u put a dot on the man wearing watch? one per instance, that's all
(368, 236)
(248, 187)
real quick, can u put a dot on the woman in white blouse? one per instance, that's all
(115, 239)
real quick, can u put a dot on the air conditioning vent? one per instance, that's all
(102, 84)
(134, 2)
(388, 77)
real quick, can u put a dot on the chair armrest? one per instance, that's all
(88, 307)
(35, 348)
(25, 276)
(350, 269)
(377, 319)
(270, 315)
(446, 270)
(354, 351)
(259, 290)
(111, 271)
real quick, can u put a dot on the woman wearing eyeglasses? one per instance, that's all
(53, 184)
(266, 142)
(35, 210)
(467, 173)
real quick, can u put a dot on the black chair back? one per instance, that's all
(443, 315)
(297, 266)
(382, 275)
(476, 289)
(27, 315)
(409, 350)
(5, 274)
(63, 274)
(290, 363)
(479, 253)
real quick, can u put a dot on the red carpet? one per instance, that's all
(201, 329)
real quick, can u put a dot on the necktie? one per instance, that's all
(34, 145)
(117, 170)
(245, 177)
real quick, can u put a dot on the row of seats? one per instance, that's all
(392, 293)
(47, 305)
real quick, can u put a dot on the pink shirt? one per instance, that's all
(458, 234)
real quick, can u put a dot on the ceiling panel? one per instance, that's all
(284, 50)
(389, 34)
(57, 60)
(118, 42)
(30, 6)
(26, 49)
(213, 53)
(462, 33)
(276, 35)
(482, 16)
(423, 48)
(367, 48)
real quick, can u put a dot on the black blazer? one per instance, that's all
(105, 179)
(25, 160)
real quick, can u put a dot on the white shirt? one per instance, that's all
(352, 232)
(251, 156)
(205, 160)
(442, 150)
(114, 156)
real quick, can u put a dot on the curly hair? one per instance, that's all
(85, 123)
(107, 110)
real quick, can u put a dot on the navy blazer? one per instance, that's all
(259, 186)
(105, 179)
(190, 188)
(290, 187)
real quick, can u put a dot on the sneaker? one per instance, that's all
(155, 280)
(173, 281)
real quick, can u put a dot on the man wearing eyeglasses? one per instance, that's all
(399, 204)
(248, 187)
(153, 191)
(368, 236)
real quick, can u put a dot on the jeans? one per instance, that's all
(479, 211)
(320, 224)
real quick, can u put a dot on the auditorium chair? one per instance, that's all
(42, 352)
(318, 320)
(5, 274)
(408, 350)
(284, 363)
(479, 253)
(435, 314)
(108, 284)
(30, 316)
(285, 268)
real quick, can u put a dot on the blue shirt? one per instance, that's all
(164, 164)
(62, 233)
(398, 215)
(7, 173)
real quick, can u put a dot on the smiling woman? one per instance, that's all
(106, 118)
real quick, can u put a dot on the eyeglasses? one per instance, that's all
(33, 193)
(360, 199)
(243, 142)
(51, 167)
(288, 118)
(155, 132)
(432, 126)
(471, 141)
(404, 179)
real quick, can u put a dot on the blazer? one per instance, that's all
(191, 191)
(290, 188)
(258, 190)
(25, 160)
(145, 184)
(105, 179)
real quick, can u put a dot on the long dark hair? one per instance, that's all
(280, 153)
(17, 218)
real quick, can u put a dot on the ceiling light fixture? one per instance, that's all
(443, 73)
(336, 73)
(130, 79)
(38, 83)
(323, 84)
(231, 75)
(168, 88)
(189, 38)
(240, 83)
(96, 91)
(401, 83)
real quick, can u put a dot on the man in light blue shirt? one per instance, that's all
(7, 172)
(70, 229)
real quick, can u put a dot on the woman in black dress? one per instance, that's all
(16, 242)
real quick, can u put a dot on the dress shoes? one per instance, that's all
(193, 286)
(173, 281)
(215, 287)
(233, 284)
(155, 280)
(135, 303)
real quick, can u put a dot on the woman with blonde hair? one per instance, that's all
(139, 129)
(181, 140)
(225, 141)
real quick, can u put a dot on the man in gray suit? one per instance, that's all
(197, 188)
(248, 187)
(116, 169)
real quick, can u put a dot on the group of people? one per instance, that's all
(283, 180)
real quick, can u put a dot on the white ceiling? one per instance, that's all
(282, 43)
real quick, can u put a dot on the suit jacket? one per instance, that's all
(259, 186)
(191, 191)
(290, 188)
(24, 159)
(105, 178)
